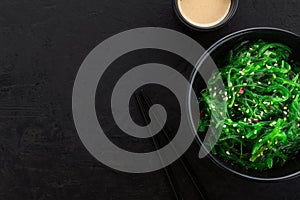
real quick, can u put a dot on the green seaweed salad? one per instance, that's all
(262, 122)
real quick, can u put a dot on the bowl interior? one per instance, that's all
(217, 52)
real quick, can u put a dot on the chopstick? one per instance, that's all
(169, 172)
(144, 105)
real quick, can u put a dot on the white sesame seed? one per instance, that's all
(235, 125)
(238, 130)
(215, 88)
(259, 83)
(273, 123)
(274, 76)
(215, 94)
(243, 137)
(232, 89)
(260, 140)
(220, 92)
(245, 119)
(252, 73)
(274, 91)
(285, 108)
(269, 67)
(284, 112)
(247, 111)
(269, 82)
(227, 152)
(224, 126)
(225, 93)
(230, 84)
(255, 132)
(244, 84)
(283, 97)
(236, 104)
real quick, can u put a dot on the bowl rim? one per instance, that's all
(226, 20)
(190, 89)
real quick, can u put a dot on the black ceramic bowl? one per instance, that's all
(217, 53)
(232, 10)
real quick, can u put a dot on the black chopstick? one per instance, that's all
(169, 172)
(145, 103)
(183, 160)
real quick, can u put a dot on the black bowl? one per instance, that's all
(232, 10)
(217, 53)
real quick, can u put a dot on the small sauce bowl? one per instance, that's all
(204, 27)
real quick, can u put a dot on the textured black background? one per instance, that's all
(42, 44)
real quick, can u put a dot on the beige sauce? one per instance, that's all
(204, 13)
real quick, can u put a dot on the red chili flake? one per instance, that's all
(255, 121)
(241, 91)
(202, 114)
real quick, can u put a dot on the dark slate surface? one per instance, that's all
(42, 44)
